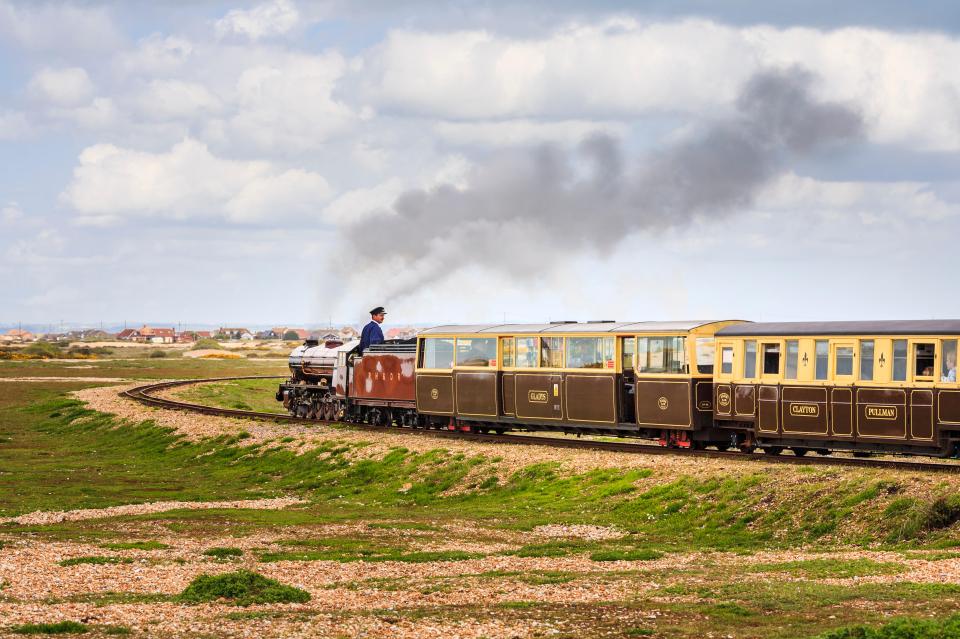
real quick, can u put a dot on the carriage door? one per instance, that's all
(628, 381)
(768, 395)
(841, 395)
(723, 388)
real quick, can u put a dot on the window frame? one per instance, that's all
(943, 359)
(747, 358)
(516, 352)
(605, 342)
(762, 359)
(456, 353)
(796, 359)
(422, 354)
(668, 340)
(834, 359)
(864, 360)
(912, 361)
(816, 360)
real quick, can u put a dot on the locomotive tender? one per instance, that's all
(884, 386)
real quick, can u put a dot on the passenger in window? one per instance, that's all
(949, 367)
(927, 372)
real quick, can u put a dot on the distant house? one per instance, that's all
(18, 335)
(186, 337)
(401, 332)
(229, 332)
(246, 336)
(148, 335)
(348, 333)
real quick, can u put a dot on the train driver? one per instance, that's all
(371, 332)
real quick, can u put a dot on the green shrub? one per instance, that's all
(60, 628)
(158, 354)
(43, 350)
(76, 561)
(223, 553)
(241, 588)
(943, 513)
(205, 343)
(948, 628)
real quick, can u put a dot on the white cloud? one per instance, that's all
(155, 54)
(274, 18)
(61, 87)
(10, 213)
(176, 99)
(523, 132)
(906, 83)
(187, 182)
(868, 202)
(358, 204)
(58, 26)
(287, 105)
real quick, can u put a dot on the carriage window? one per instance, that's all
(705, 355)
(923, 355)
(726, 360)
(476, 351)
(823, 354)
(771, 359)
(866, 360)
(793, 354)
(590, 352)
(437, 352)
(662, 355)
(527, 351)
(899, 360)
(629, 346)
(506, 346)
(750, 359)
(948, 369)
(843, 362)
(551, 352)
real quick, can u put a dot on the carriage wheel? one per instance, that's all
(800, 452)
(773, 450)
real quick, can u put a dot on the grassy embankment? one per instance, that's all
(57, 455)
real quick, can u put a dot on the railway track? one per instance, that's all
(146, 395)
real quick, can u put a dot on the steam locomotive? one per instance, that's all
(878, 386)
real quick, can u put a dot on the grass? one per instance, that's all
(643, 554)
(948, 628)
(59, 628)
(835, 568)
(242, 394)
(56, 455)
(95, 560)
(350, 549)
(242, 588)
(223, 553)
(135, 545)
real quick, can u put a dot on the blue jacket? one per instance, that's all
(371, 335)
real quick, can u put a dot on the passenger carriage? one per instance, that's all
(878, 385)
(638, 378)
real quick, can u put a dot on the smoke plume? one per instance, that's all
(520, 211)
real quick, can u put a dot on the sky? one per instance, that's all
(294, 162)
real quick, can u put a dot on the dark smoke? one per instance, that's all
(523, 209)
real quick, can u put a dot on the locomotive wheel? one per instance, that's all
(746, 448)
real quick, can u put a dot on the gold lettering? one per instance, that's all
(538, 396)
(881, 412)
(804, 410)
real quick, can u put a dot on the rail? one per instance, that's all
(144, 395)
